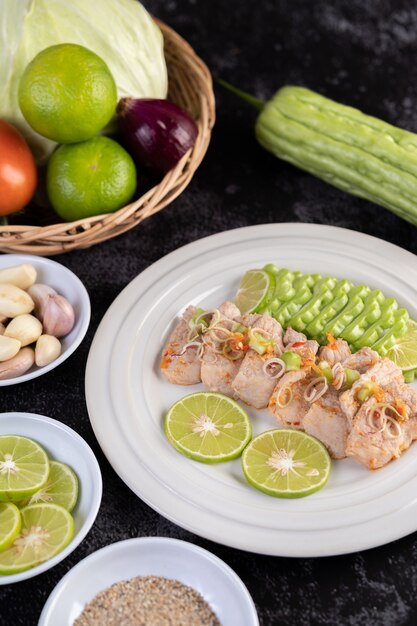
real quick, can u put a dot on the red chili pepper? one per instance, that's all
(298, 344)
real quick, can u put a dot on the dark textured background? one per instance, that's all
(361, 53)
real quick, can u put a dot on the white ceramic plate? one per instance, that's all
(151, 556)
(127, 398)
(65, 283)
(61, 443)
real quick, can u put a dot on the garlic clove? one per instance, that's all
(22, 276)
(26, 328)
(9, 347)
(59, 317)
(18, 365)
(48, 348)
(40, 295)
(14, 301)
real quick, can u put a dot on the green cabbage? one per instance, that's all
(121, 32)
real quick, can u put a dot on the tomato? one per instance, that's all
(18, 175)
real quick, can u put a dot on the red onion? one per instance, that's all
(156, 132)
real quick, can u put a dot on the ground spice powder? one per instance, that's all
(148, 601)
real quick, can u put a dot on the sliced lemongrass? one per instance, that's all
(232, 355)
(339, 377)
(392, 424)
(190, 344)
(274, 367)
(316, 389)
(283, 403)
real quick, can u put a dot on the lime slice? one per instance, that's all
(60, 488)
(404, 351)
(24, 467)
(208, 427)
(255, 290)
(10, 523)
(46, 530)
(286, 463)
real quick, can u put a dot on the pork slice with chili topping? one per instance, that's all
(298, 342)
(373, 382)
(336, 351)
(361, 360)
(287, 402)
(257, 376)
(326, 421)
(222, 354)
(383, 428)
(181, 364)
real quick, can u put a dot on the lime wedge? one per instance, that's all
(404, 351)
(286, 463)
(10, 523)
(24, 467)
(60, 488)
(46, 530)
(255, 290)
(208, 427)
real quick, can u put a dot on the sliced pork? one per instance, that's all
(217, 370)
(326, 421)
(287, 402)
(179, 364)
(253, 384)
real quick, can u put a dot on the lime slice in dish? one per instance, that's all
(60, 488)
(46, 530)
(208, 427)
(255, 290)
(10, 523)
(286, 463)
(24, 467)
(404, 351)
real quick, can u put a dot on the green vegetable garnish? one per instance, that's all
(292, 361)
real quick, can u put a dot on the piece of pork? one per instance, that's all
(292, 383)
(326, 421)
(252, 384)
(217, 371)
(181, 368)
(383, 373)
(298, 342)
(373, 448)
(361, 360)
(335, 352)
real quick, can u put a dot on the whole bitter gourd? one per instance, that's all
(357, 153)
(348, 149)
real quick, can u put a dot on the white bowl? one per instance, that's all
(155, 556)
(65, 283)
(61, 444)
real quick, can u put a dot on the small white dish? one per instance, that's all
(61, 443)
(65, 283)
(151, 556)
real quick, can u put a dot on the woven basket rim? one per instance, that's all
(196, 83)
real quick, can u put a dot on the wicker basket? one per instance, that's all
(190, 86)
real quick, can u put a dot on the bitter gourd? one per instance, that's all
(355, 152)
(341, 145)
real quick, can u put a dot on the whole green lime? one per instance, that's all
(89, 178)
(67, 93)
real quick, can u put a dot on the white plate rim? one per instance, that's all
(287, 544)
(137, 543)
